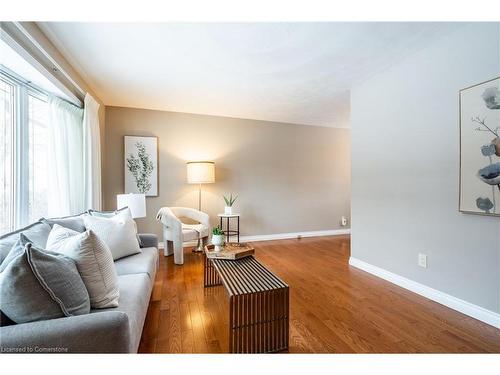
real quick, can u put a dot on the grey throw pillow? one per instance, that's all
(74, 222)
(39, 285)
(93, 260)
(37, 233)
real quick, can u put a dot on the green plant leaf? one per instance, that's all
(217, 231)
(230, 200)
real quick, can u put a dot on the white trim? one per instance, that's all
(280, 236)
(26, 33)
(21, 41)
(161, 245)
(454, 303)
(284, 236)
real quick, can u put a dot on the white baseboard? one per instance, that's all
(454, 303)
(284, 236)
(161, 245)
(281, 236)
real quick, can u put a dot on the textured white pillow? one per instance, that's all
(93, 260)
(118, 232)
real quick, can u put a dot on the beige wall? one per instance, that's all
(289, 178)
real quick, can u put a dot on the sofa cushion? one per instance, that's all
(118, 232)
(145, 262)
(135, 291)
(93, 260)
(148, 240)
(37, 233)
(74, 222)
(38, 285)
(102, 332)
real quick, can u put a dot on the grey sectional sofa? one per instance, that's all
(113, 330)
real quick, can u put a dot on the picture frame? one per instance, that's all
(479, 124)
(141, 165)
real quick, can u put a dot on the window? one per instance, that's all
(6, 155)
(37, 168)
(24, 152)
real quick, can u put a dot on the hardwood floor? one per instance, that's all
(334, 308)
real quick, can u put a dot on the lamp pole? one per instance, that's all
(199, 197)
(200, 172)
(199, 246)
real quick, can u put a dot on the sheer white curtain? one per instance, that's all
(65, 162)
(92, 153)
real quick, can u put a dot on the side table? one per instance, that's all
(228, 231)
(259, 304)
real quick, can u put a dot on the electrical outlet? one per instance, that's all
(343, 221)
(422, 260)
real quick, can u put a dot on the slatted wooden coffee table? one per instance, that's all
(258, 304)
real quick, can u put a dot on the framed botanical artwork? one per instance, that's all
(480, 148)
(141, 165)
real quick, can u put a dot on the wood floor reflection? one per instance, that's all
(334, 308)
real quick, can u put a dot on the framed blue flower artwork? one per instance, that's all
(480, 148)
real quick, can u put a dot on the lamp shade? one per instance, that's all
(200, 172)
(136, 203)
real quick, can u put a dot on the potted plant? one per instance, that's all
(217, 238)
(228, 210)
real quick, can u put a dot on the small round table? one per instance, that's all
(228, 231)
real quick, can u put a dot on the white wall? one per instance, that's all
(405, 169)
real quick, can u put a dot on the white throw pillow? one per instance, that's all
(118, 232)
(94, 262)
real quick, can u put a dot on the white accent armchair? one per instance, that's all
(176, 232)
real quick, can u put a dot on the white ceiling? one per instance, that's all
(286, 72)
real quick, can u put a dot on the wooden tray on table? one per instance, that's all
(230, 251)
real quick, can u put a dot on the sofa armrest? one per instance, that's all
(148, 240)
(100, 332)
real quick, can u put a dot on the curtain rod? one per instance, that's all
(19, 39)
(55, 65)
(21, 80)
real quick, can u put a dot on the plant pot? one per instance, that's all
(228, 210)
(218, 241)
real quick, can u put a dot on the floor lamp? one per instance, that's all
(200, 172)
